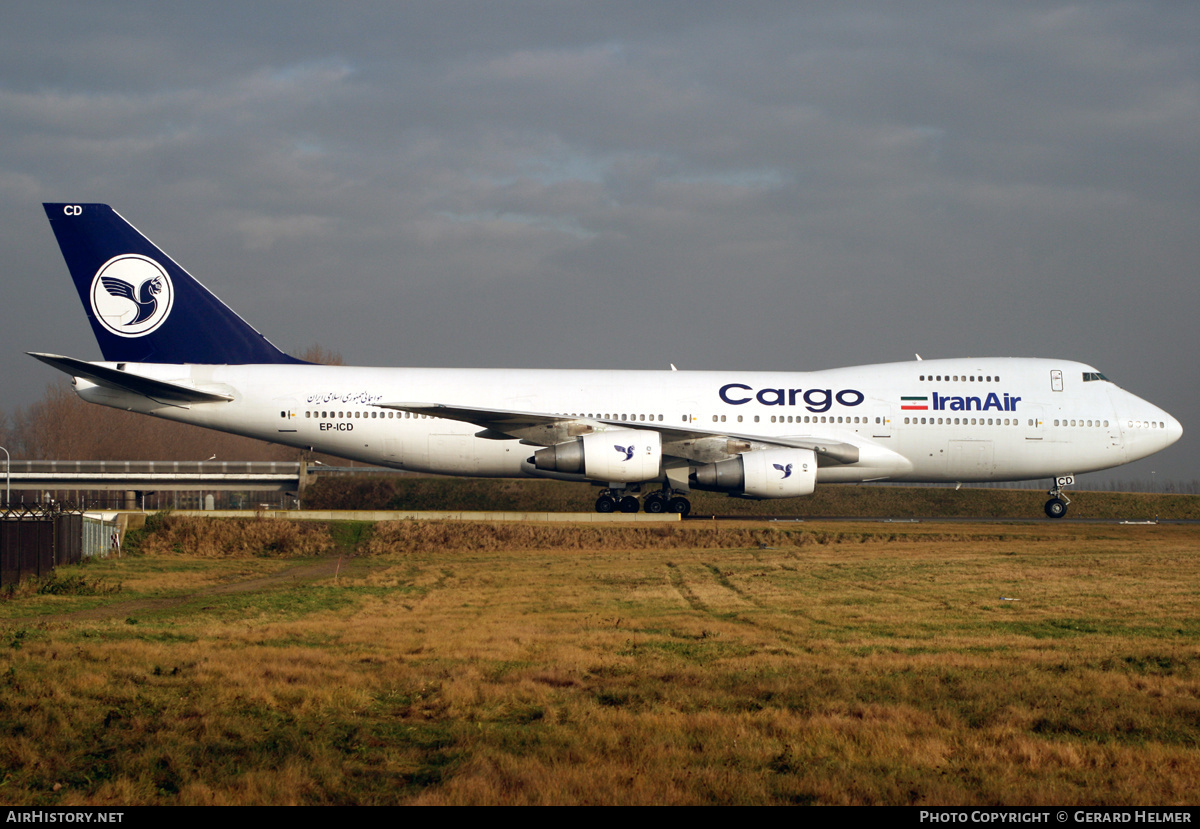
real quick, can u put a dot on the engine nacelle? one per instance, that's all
(765, 473)
(618, 455)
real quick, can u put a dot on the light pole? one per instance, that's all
(7, 477)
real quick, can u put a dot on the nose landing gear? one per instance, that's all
(1056, 507)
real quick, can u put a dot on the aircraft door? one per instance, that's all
(1033, 421)
(881, 422)
(287, 414)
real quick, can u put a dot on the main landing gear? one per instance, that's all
(1056, 507)
(664, 500)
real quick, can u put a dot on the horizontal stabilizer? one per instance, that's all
(159, 390)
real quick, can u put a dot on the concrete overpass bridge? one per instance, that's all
(136, 477)
(145, 475)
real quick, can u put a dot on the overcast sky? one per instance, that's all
(743, 185)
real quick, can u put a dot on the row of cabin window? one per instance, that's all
(956, 421)
(390, 414)
(1132, 424)
(957, 378)
(1145, 424)
(626, 417)
(370, 414)
(982, 421)
(799, 419)
(965, 421)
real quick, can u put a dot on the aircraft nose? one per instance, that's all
(1174, 430)
(1158, 430)
(1146, 428)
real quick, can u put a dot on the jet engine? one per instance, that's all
(765, 473)
(618, 455)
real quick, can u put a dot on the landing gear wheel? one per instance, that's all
(655, 504)
(1056, 508)
(630, 504)
(605, 504)
(680, 505)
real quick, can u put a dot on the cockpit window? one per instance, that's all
(1088, 376)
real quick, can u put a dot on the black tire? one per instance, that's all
(630, 504)
(1056, 508)
(681, 506)
(655, 504)
(605, 504)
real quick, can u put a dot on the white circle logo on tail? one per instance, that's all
(132, 295)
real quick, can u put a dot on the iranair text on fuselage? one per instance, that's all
(990, 402)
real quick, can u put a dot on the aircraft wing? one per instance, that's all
(547, 429)
(161, 391)
(488, 418)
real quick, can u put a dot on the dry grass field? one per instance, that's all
(751, 663)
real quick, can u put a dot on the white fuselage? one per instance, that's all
(931, 420)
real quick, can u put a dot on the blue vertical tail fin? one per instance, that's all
(143, 307)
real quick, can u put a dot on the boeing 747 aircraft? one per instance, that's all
(172, 349)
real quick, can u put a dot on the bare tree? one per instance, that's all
(60, 426)
(317, 353)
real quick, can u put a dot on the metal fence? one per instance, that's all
(100, 537)
(34, 538)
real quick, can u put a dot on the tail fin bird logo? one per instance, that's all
(145, 299)
(786, 470)
(628, 450)
(131, 295)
